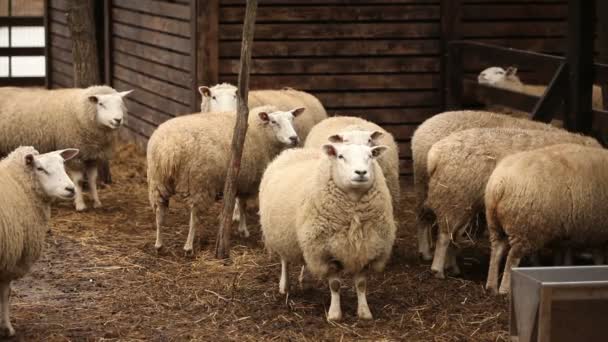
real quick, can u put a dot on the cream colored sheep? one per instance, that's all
(331, 210)
(188, 156)
(555, 193)
(50, 120)
(354, 130)
(435, 129)
(28, 181)
(459, 167)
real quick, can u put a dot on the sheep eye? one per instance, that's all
(273, 122)
(501, 72)
(214, 98)
(42, 170)
(101, 105)
(340, 156)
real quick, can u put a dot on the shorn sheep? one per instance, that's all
(331, 209)
(222, 98)
(537, 197)
(188, 156)
(435, 129)
(49, 120)
(459, 167)
(29, 182)
(354, 130)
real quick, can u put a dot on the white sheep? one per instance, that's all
(29, 182)
(331, 210)
(459, 167)
(188, 156)
(557, 193)
(222, 98)
(49, 120)
(354, 130)
(435, 129)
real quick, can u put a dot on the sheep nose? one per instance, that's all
(70, 189)
(117, 121)
(294, 140)
(361, 172)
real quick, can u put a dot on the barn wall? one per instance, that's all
(60, 65)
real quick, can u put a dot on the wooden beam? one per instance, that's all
(205, 62)
(553, 97)
(107, 47)
(222, 247)
(48, 81)
(455, 74)
(488, 95)
(508, 56)
(81, 24)
(580, 64)
(602, 46)
(451, 19)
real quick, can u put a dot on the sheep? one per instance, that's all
(87, 119)
(550, 194)
(458, 168)
(29, 182)
(355, 130)
(435, 129)
(189, 156)
(332, 211)
(508, 79)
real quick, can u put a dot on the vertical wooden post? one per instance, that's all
(205, 45)
(578, 116)
(601, 12)
(222, 246)
(48, 82)
(107, 35)
(451, 18)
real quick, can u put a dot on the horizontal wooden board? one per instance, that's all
(390, 115)
(159, 24)
(334, 65)
(502, 11)
(61, 55)
(58, 4)
(61, 79)
(179, 94)
(333, 13)
(60, 29)
(161, 8)
(58, 16)
(401, 132)
(343, 82)
(328, 2)
(153, 54)
(61, 42)
(333, 31)
(65, 68)
(545, 45)
(156, 39)
(511, 30)
(138, 125)
(405, 149)
(377, 99)
(142, 95)
(334, 48)
(158, 71)
(150, 115)
(406, 167)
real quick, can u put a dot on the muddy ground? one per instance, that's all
(101, 279)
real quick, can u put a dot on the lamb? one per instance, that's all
(354, 130)
(459, 167)
(29, 182)
(332, 211)
(87, 119)
(435, 129)
(189, 156)
(560, 192)
(508, 79)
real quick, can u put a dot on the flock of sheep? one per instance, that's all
(327, 205)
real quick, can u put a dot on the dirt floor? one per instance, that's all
(101, 279)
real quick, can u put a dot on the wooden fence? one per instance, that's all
(378, 59)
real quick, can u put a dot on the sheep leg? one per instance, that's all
(284, 282)
(441, 251)
(160, 209)
(513, 260)
(499, 247)
(335, 311)
(363, 311)
(194, 222)
(241, 206)
(304, 278)
(452, 262)
(236, 214)
(92, 178)
(424, 236)
(6, 329)
(77, 178)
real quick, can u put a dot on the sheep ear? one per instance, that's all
(378, 150)
(68, 153)
(297, 111)
(511, 71)
(205, 91)
(330, 150)
(264, 116)
(93, 99)
(376, 135)
(29, 160)
(125, 93)
(336, 138)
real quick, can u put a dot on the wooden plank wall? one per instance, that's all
(150, 51)
(376, 59)
(60, 65)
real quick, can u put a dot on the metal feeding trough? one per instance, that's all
(559, 304)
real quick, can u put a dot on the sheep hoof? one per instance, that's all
(364, 314)
(439, 274)
(158, 248)
(503, 290)
(7, 331)
(334, 316)
(244, 233)
(426, 256)
(97, 204)
(81, 207)
(492, 289)
(188, 253)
